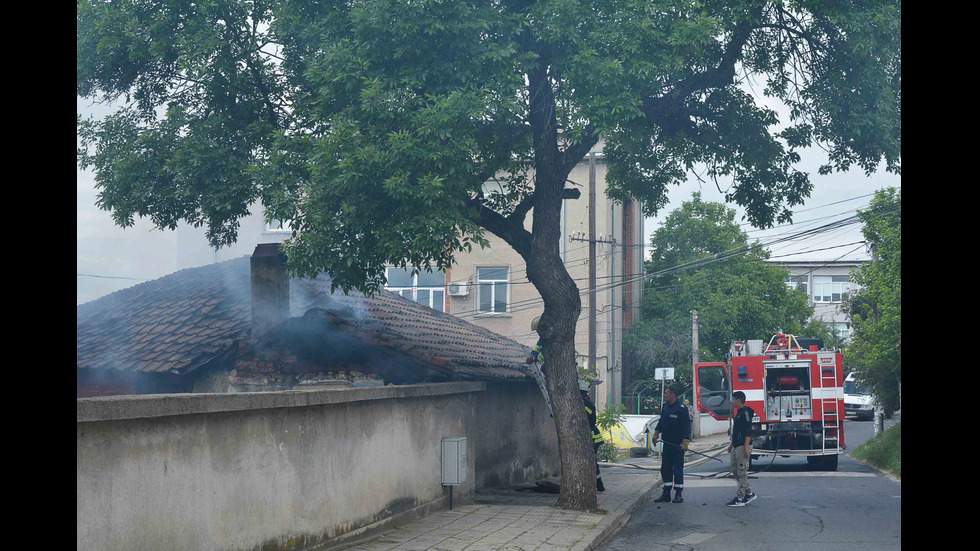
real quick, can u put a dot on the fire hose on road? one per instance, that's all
(657, 468)
(714, 451)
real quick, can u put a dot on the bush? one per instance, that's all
(884, 451)
(610, 417)
(607, 452)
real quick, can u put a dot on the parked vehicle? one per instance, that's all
(858, 400)
(795, 388)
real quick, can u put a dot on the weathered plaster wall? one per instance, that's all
(274, 469)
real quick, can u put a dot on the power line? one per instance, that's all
(524, 305)
(669, 286)
(532, 303)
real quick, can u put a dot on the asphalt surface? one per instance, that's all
(854, 508)
(857, 432)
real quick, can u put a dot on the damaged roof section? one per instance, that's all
(188, 319)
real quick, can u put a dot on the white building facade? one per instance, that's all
(825, 283)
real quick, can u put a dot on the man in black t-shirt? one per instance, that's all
(741, 449)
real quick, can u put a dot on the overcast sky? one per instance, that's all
(828, 189)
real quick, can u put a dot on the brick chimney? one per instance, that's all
(270, 289)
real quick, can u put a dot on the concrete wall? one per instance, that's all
(271, 470)
(710, 425)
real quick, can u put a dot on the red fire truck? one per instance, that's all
(795, 391)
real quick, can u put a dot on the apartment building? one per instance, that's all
(825, 284)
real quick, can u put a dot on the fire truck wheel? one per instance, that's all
(830, 462)
(823, 463)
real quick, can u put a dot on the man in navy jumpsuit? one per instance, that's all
(675, 426)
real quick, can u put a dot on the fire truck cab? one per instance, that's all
(796, 391)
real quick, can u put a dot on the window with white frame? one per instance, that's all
(798, 283)
(843, 330)
(278, 226)
(428, 288)
(830, 288)
(492, 288)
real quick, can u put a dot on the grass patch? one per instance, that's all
(884, 451)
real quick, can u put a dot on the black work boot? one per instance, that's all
(677, 495)
(598, 485)
(664, 497)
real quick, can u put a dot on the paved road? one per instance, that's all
(853, 509)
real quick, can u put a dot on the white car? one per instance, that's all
(858, 400)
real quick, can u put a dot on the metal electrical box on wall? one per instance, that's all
(453, 461)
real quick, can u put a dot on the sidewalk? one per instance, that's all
(507, 520)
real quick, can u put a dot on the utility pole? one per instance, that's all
(592, 297)
(696, 429)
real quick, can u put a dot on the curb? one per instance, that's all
(879, 470)
(616, 523)
(882, 472)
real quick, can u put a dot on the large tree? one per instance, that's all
(373, 125)
(736, 293)
(875, 308)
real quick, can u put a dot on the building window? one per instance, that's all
(798, 283)
(830, 288)
(428, 288)
(278, 226)
(843, 330)
(491, 290)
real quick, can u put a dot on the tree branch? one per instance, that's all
(577, 152)
(527, 203)
(669, 111)
(512, 233)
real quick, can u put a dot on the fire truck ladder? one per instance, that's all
(829, 408)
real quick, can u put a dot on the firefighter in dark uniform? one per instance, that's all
(675, 426)
(597, 439)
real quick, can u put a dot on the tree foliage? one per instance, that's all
(738, 298)
(825, 331)
(875, 309)
(373, 126)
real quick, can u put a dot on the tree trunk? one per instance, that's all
(562, 306)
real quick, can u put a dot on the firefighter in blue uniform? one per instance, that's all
(675, 427)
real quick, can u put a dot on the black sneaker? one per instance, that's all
(736, 502)
(599, 486)
(664, 497)
(749, 499)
